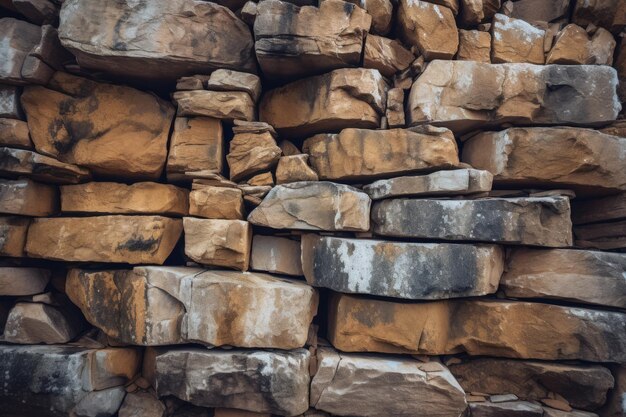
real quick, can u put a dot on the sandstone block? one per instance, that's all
(515, 40)
(28, 198)
(474, 45)
(294, 168)
(599, 209)
(313, 206)
(251, 153)
(381, 12)
(539, 10)
(18, 38)
(474, 12)
(123, 239)
(10, 102)
(218, 242)
(13, 230)
(505, 409)
(395, 108)
(14, 133)
(216, 202)
(228, 80)
(227, 105)
(141, 404)
(386, 55)
(274, 254)
(17, 281)
(571, 46)
(20, 162)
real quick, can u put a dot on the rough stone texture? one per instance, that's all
(314, 206)
(14, 134)
(602, 236)
(477, 11)
(496, 328)
(218, 242)
(28, 198)
(603, 46)
(227, 80)
(38, 11)
(395, 108)
(294, 168)
(274, 254)
(616, 404)
(13, 230)
(112, 130)
(170, 305)
(180, 37)
(359, 154)
(227, 105)
(347, 385)
(539, 221)
(463, 95)
(18, 38)
(599, 209)
(382, 14)
(572, 46)
(261, 381)
(23, 281)
(34, 322)
(123, 239)
(610, 14)
(388, 56)
(583, 386)
(505, 409)
(141, 404)
(293, 42)
(455, 182)
(20, 162)
(416, 271)
(515, 40)
(474, 45)
(216, 203)
(539, 10)
(117, 198)
(10, 102)
(430, 27)
(348, 97)
(251, 153)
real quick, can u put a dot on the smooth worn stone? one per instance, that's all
(18, 38)
(34, 323)
(609, 14)
(171, 305)
(114, 130)
(251, 153)
(386, 55)
(584, 386)
(294, 168)
(123, 239)
(294, 42)
(226, 105)
(117, 198)
(395, 108)
(13, 231)
(579, 276)
(54, 380)
(359, 154)
(474, 45)
(348, 97)
(415, 271)
(218, 242)
(602, 236)
(540, 10)
(353, 384)
(599, 209)
(581, 159)
(515, 40)
(28, 198)
(275, 382)
(197, 144)
(538, 221)
(228, 80)
(216, 203)
(477, 327)
(429, 27)
(463, 95)
(314, 206)
(141, 404)
(505, 409)
(180, 37)
(18, 281)
(14, 133)
(275, 254)
(21, 162)
(10, 106)
(455, 182)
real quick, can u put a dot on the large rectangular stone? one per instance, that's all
(28, 198)
(14, 133)
(21, 162)
(218, 242)
(13, 231)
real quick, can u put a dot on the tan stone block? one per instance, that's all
(250, 153)
(515, 40)
(14, 134)
(21, 162)
(13, 230)
(216, 203)
(294, 168)
(18, 281)
(275, 254)
(28, 198)
(228, 80)
(386, 55)
(218, 242)
(227, 105)
(474, 45)
(196, 144)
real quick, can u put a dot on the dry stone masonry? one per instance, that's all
(312, 208)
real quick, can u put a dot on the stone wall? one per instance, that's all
(374, 208)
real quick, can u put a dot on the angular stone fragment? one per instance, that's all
(113, 130)
(13, 230)
(602, 46)
(33, 323)
(359, 385)
(20, 162)
(540, 10)
(216, 202)
(14, 134)
(415, 271)
(540, 221)
(123, 239)
(28, 198)
(599, 210)
(218, 242)
(481, 328)
(294, 168)
(349, 97)
(610, 14)
(251, 153)
(474, 45)
(381, 12)
(18, 38)
(584, 386)
(515, 40)
(227, 105)
(276, 254)
(141, 404)
(572, 46)
(314, 206)
(16, 281)
(227, 80)
(395, 108)
(359, 154)
(506, 409)
(430, 27)
(180, 37)
(10, 102)
(388, 56)
(262, 381)
(463, 95)
(294, 42)
(474, 12)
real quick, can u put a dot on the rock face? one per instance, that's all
(13, 231)
(474, 46)
(539, 221)
(123, 239)
(359, 385)
(294, 168)
(515, 40)
(358, 154)
(112, 130)
(20, 162)
(28, 198)
(196, 144)
(180, 37)
(276, 254)
(39, 322)
(497, 328)
(216, 202)
(534, 11)
(170, 305)
(227, 105)
(380, 268)
(263, 381)
(610, 14)
(348, 97)
(251, 153)
(314, 206)
(599, 209)
(218, 242)
(462, 95)
(294, 42)
(14, 133)
(386, 55)
(583, 159)
(18, 38)
(23, 281)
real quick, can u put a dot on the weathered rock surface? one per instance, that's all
(113, 130)
(386, 55)
(227, 105)
(218, 242)
(610, 14)
(10, 102)
(462, 95)
(262, 381)
(23, 281)
(505, 409)
(228, 80)
(14, 133)
(117, 198)
(216, 202)
(599, 209)
(123, 239)
(515, 40)
(251, 153)
(276, 254)
(348, 97)
(141, 404)
(602, 236)
(417, 271)
(18, 38)
(20, 162)
(180, 37)
(357, 154)
(539, 10)
(496, 328)
(28, 198)
(615, 406)
(293, 42)
(170, 305)
(382, 12)
(539, 221)
(474, 12)
(13, 230)
(395, 108)
(314, 206)
(474, 45)
(294, 168)
(352, 384)
(571, 46)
